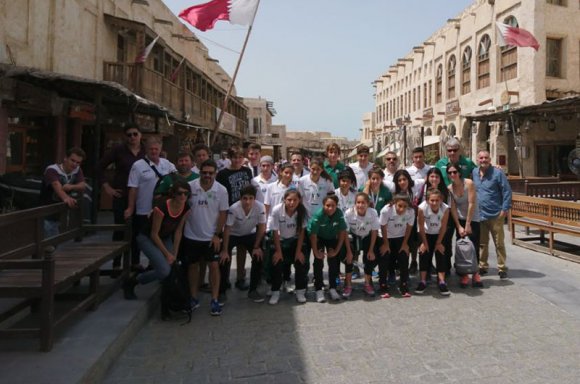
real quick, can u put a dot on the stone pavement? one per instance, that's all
(521, 330)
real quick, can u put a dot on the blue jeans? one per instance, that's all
(161, 267)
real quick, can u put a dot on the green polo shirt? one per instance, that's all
(466, 165)
(326, 227)
(333, 172)
(378, 202)
(168, 180)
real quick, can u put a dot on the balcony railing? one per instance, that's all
(152, 85)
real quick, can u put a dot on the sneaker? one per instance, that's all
(255, 296)
(483, 271)
(333, 294)
(288, 287)
(215, 308)
(320, 296)
(404, 291)
(338, 282)
(241, 285)
(369, 290)
(274, 298)
(347, 291)
(464, 281)
(355, 275)
(193, 303)
(269, 291)
(301, 295)
(413, 267)
(374, 274)
(383, 288)
(503, 275)
(421, 288)
(443, 290)
(222, 298)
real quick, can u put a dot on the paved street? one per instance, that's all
(523, 330)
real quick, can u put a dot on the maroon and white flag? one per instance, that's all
(518, 37)
(204, 16)
(146, 51)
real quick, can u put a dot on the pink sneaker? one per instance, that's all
(369, 290)
(346, 292)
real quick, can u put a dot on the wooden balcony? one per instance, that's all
(153, 85)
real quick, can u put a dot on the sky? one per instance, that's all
(316, 59)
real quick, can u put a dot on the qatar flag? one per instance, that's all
(204, 16)
(519, 37)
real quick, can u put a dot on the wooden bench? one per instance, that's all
(549, 216)
(39, 270)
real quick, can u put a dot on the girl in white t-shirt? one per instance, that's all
(287, 222)
(432, 217)
(396, 221)
(275, 193)
(346, 193)
(363, 226)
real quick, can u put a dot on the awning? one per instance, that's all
(430, 140)
(562, 106)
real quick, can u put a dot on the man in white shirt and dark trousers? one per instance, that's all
(203, 231)
(143, 177)
(418, 170)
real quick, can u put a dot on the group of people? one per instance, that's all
(394, 220)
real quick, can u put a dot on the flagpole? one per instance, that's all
(231, 86)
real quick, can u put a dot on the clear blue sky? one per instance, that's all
(316, 59)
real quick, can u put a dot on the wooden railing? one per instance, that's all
(518, 184)
(564, 190)
(153, 85)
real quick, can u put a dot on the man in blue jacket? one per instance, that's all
(494, 196)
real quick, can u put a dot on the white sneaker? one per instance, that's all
(320, 296)
(301, 295)
(289, 287)
(269, 291)
(274, 298)
(334, 295)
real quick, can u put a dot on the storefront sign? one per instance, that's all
(145, 122)
(452, 108)
(228, 123)
(82, 111)
(428, 114)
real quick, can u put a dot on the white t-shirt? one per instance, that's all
(262, 185)
(433, 219)
(205, 207)
(241, 224)
(144, 179)
(362, 174)
(280, 221)
(305, 172)
(389, 184)
(345, 202)
(275, 194)
(362, 225)
(223, 164)
(396, 224)
(313, 193)
(417, 173)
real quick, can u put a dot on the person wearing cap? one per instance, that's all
(362, 167)
(265, 177)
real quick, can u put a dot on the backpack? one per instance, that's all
(175, 295)
(465, 258)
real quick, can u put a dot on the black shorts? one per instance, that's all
(192, 251)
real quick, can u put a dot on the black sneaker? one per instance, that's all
(413, 267)
(129, 288)
(241, 285)
(443, 290)
(255, 296)
(503, 275)
(482, 271)
(421, 288)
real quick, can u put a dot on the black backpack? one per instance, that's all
(465, 257)
(175, 295)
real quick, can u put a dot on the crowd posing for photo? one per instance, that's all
(383, 225)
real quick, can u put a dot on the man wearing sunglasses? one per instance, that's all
(454, 155)
(391, 166)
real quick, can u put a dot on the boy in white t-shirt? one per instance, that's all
(265, 178)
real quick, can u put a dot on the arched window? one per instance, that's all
(439, 85)
(451, 66)
(483, 62)
(451, 130)
(509, 55)
(466, 71)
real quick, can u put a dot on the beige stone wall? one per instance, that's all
(71, 37)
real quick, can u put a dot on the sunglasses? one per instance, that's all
(207, 173)
(132, 134)
(453, 150)
(391, 158)
(452, 172)
(182, 193)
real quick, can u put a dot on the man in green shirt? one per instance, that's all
(184, 165)
(332, 165)
(454, 156)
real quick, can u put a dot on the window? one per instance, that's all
(419, 97)
(430, 92)
(439, 85)
(557, 2)
(483, 62)
(466, 71)
(554, 57)
(451, 64)
(509, 56)
(425, 95)
(257, 126)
